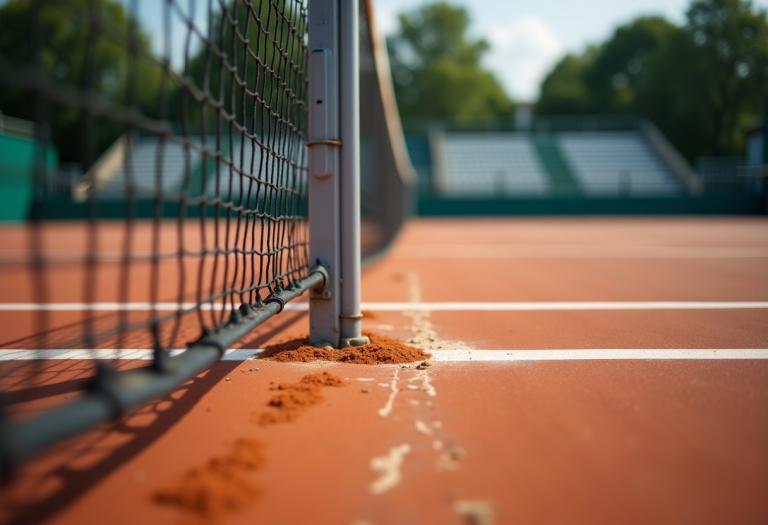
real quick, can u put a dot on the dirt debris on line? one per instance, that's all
(293, 399)
(381, 350)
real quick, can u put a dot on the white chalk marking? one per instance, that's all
(564, 306)
(423, 428)
(384, 412)
(415, 306)
(478, 512)
(389, 467)
(456, 356)
(108, 353)
(423, 376)
(576, 251)
(598, 354)
(131, 307)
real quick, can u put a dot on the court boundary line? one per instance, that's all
(408, 306)
(586, 354)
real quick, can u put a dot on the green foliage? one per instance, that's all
(76, 57)
(699, 83)
(563, 91)
(436, 67)
(617, 69)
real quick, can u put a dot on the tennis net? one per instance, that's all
(167, 181)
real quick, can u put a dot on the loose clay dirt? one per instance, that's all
(224, 485)
(294, 399)
(381, 350)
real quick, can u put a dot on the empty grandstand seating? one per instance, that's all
(500, 164)
(614, 162)
(513, 164)
(147, 154)
(144, 159)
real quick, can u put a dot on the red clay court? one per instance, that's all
(599, 371)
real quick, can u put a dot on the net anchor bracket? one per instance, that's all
(105, 383)
(161, 359)
(321, 291)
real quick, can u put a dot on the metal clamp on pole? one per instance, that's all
(329, 142)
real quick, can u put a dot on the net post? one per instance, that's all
(324, 169)
(351, 318)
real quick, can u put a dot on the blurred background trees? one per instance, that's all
(700, 83)
(436, 67)
(74, 57)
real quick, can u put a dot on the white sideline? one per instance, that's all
(590, 354)
(106, 353)
(404, 307)
(572, 251)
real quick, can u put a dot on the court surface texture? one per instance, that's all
(591, 370)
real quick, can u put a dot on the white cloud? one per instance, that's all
(385, 20)
(522, 52)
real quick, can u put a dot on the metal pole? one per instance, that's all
(324, 174)
(351, 326)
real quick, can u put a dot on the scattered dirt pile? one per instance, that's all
(381, 350)
(220, 487)
(293, 399)
(225, 485)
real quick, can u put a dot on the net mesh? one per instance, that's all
(153, 156)
(191, 145)
(386, 173)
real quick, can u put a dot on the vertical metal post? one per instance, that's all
(324, 173)
(351, 334)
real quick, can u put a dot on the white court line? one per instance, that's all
(432, 307)
(566, 305)
(590, 354)
(570, 251)
(108, 354)
(113, 307)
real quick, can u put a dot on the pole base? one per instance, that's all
(355, 341)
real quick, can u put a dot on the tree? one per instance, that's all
(731, 48)
(436, 67)
(563, 91)
(74, 56)
(605, 79)
(619, 69)
(700, 83)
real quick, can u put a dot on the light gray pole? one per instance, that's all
(351, 331)
(324, 173)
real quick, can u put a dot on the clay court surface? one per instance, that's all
(594, 371)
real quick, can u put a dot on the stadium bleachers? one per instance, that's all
(147, 154)
(614, 162)
(144, 159)
(515, 164)
(499, 164)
